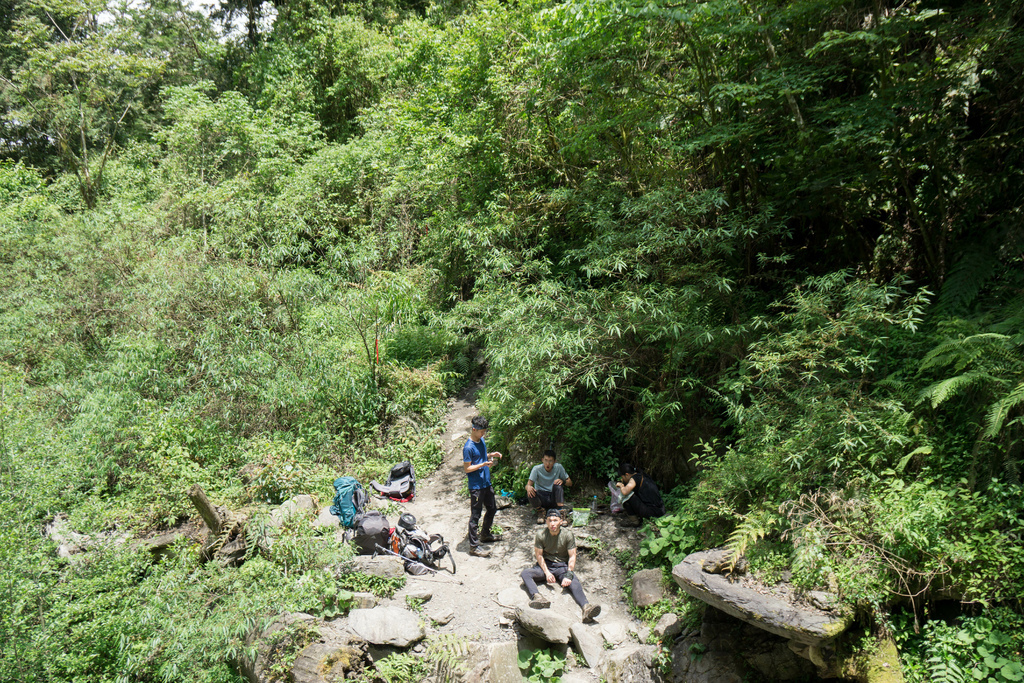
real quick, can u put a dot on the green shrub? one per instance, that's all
(768, 560)
(382, 587)
(971, 650)
(902, 538)
(416, 345)
(674, 536)
(512, 476)
(279, 471)
(541, 666)
(400, 667)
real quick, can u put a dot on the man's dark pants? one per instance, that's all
(544, 500)
(478, 500)
(534, 574)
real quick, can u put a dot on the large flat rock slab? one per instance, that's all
(386, 626)
(803, 624)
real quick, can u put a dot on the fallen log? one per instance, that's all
(226, 542)
(213, 517)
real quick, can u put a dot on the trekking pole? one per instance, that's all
(386, 551)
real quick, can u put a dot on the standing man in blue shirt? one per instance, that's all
(477, 465)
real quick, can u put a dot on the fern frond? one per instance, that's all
(448, 653)
(944, 669)
(753, 528)
(1013, 323)
(962, 353)
(898, 387)
(1000, 410)
(940, 392)
(966, 279)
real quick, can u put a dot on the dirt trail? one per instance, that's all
(483, 589)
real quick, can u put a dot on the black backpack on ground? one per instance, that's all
(422, 552)
(401, 484)
(370, 530)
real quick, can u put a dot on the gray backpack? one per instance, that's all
(370, 530)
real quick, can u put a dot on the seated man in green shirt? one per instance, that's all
(555, 550)
(544, 489)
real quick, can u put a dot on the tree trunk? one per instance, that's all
(213, 517)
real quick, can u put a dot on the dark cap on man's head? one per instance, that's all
(554, 512)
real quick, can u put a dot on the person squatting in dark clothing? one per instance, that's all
(476, 463)
(545, 486)
(555, 550)
(646, 499)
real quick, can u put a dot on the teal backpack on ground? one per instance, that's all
(349, 500)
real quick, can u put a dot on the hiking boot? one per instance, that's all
(630, 521)
(538, 601)
(540, 518)
(490, 538)
(590, 610)
(479, 552)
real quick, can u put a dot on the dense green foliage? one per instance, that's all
(769, 251)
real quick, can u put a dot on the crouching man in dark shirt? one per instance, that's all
(645, 500)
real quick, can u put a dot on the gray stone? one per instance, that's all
(386, 626)
(421, 594)
(325, 519)
(333, 653)
(647, 588)
(299, 505)
(588, 643)
(513, 596)
(333, 660)
(364, 600)
(232, 553)
(716, 561)
(628, 665)
(772, 614)
(504, 663)
(730, 649)
(668, 627)
(68, 541)
(693, 663)
(483, 664)
(588, 542)
(66, 550)
(775, 661)
(719, 561)
(441, 615)
(160, 546)
(573, 677)
(384, 566)
(615, 633)
(544, 624)
(822, 600)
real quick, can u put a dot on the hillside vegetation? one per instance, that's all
(772, 252)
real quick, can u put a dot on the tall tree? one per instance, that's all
(79, 85)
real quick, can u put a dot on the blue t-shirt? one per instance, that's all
(474, 454)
